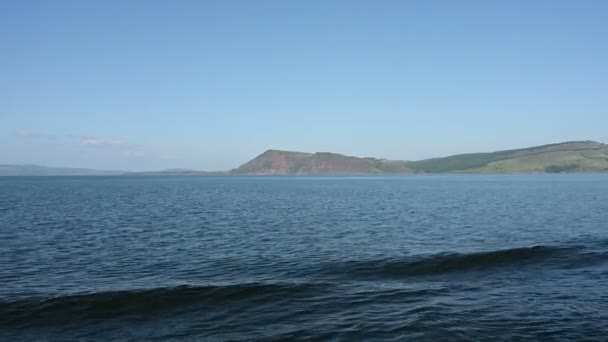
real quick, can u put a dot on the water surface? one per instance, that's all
(418, 257)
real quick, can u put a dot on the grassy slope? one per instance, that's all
(564, 157)
(559, 161)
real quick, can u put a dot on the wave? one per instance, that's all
(104, 305)
(142, 302)
(450, 262)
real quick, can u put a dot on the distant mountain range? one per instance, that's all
(36, 170)
(175, 172)
(573, 156)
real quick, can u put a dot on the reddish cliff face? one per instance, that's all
(275, 162)
(285, 162)
(331, 163)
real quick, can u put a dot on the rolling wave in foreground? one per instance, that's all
(100, 305)
(392, 258)
(452, 262)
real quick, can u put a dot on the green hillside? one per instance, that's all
(576, 156)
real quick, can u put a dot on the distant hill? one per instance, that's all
(286, 162)
(575, 156)
(36, 170)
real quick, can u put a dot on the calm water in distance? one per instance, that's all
(341, 258)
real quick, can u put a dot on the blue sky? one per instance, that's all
(143, 85)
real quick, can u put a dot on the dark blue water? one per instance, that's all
(456, 257)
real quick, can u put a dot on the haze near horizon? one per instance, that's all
(147, 85)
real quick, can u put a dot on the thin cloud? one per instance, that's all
(33, 134)
(133, 154)
(119, 147)
(106, 143)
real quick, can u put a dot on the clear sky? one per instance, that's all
(145, 85)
